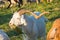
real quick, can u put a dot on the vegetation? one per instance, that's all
(6, 14)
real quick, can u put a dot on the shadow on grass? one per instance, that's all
(5, 18)
(14, 35)
(14, 32)
(54, 18)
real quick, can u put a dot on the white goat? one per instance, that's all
(54, 32)
(31, 27)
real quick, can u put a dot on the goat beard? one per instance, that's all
(16, 29)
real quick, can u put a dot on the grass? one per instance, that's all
(6, 14)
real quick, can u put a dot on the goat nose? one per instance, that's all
(10, 24)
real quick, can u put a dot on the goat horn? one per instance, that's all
(25, 11)
(37, 17)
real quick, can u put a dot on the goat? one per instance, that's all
(20, 2)
(32, 26)
(54, 33)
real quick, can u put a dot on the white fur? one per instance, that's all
(17, 19)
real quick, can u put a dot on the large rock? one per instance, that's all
(3, 35)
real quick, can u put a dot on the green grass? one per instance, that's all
(6, 14)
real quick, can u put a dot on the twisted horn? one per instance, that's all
(23, 11)
(37, 17)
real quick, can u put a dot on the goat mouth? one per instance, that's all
(12, 26)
